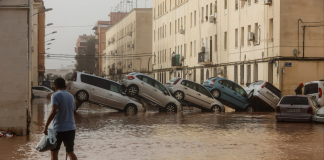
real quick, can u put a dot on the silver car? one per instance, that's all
(267, 94)
(138, 84)
(189, 91)
(86, 87)
(296, 108)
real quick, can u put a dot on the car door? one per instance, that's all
(99, 89)
(239, 96)
(146, 86)
(159, 94)
(226, 88)
(191, 92)
(204, 97)
(115, 98)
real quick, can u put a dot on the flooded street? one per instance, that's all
(106, 134)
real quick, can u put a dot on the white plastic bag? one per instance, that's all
(48, 142)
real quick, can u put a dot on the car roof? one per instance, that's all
(312, 82)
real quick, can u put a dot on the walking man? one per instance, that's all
(298, 90)
(62, 114)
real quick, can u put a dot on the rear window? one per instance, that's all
(259, 83)
(174, 79)
(273, 89)
(311, 88)
(294, 100)
(213, 78)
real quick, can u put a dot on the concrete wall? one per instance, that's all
(13, 68)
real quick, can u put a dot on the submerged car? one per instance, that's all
(297, 108)
(86, 87)
(315, 89)
(266, 95)
(41, 91)
(229, 93)
(196, 94)
(319, 115)
(138, 84)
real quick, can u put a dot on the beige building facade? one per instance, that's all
(129, 45)
(244, 41)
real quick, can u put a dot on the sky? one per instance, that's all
(81, 13)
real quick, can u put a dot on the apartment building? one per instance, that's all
(129, 45)
(81, 43)
(242, 40)
(100, 29)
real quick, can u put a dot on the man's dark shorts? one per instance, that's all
(67, 138)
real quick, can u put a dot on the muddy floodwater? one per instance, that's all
(106, 134)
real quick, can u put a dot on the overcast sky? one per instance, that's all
(75, 13)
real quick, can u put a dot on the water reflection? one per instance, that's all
(107, 134)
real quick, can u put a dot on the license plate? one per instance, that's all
(293, 109)
(320, 120)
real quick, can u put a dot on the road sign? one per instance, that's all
(288, 64)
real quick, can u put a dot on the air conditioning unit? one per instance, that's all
(212, 19)
(267, 2)
(182, 31)
(250, 36)
(129, 33)
(128, 45)
(132, 46)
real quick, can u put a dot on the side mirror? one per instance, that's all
(123, 93)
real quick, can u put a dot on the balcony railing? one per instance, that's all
(176, 61)
(203, 57)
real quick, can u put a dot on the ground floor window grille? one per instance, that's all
(235, 74)
(270, 73)
(194, 76)
(201, 75)
(225, 72)
(255, 72)
(248, 78)
(242, 74)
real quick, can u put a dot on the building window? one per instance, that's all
(236, 4)
(248, 74)
(242, 36)
(242, 4)
(190, 49)
(165, 32)
(216, 42)
(225, 72)
(178, 25)
(195, 19)
(242, 74)
(184, 23)
(235, 74)
(170, 28)
(175, 26)
(191, 20)
(211, 9)
(255, 72)
(236, 38)
(225, 6)
(256, 33)
(185, 50)
(195, 48)
(216, 7)
(271, 30)
(270, 72)
(154, 35)
(225, 40)
(249, 2)
(165, 55)
(202, 14)
(249, 30)
(206, 13)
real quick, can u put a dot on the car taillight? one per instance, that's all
(176, 81)
(320, 92)
(264, 84)
(309, 110)
(130, 78)
(278, 109)
(213, 82)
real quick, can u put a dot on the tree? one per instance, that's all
(86, 61)
(68, 76)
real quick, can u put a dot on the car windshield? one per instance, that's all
(273, 89)
(174, 79)
(294, 100)
(311, 88)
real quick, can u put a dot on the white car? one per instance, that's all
(41, 91)
(265, 92)
(315, 89)
(138, 84)
(319, 115)
(86, 87)
(194, 93)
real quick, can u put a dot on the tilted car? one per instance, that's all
(229, 93)
(138, 84)
(298, 108)
(266, 95)
(41, 91)
(196, 94)
(315, 89)
(86, 87)
(319, 115)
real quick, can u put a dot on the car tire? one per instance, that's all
(171, 108)
(250, 95)
(179, 95)
(82, 96)
(132, 91)
(216, 93)
(216, 108)
(131, 108)
(250, 109)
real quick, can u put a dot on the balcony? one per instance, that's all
(119, 71)
(204, 58)
(176, 61)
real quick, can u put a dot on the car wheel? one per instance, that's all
(130, 108)
(250, 109)
(216, 109)
(216, 93)
(171, 108)
(132, 91)
(250, 96)
(179, 95)
(82, 96)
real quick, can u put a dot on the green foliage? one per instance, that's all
(86, 62)
(68, 76)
